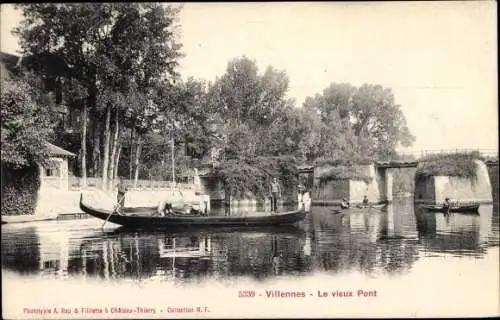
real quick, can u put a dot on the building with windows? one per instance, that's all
(54, 174)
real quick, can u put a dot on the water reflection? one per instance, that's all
(459, 233)
(369, 241)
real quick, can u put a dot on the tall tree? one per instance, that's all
(358, 123)
(26, 125)
(377, 117)
(248, 105)
(71, 33)
(105, 47)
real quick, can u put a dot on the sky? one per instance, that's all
(439, 58)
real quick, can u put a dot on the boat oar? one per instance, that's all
(113, 211)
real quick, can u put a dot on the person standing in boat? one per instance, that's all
(121, 191)
(300, 194)
(275, 194)
(306, 198)
(447, 205)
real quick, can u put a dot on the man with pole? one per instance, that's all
(275, 194)
(120, 196)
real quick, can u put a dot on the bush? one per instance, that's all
(254, 175)
(449, 164)
(342, 172)
(19, 189)
(343, 162)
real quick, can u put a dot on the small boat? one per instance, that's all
(465, 208)
(374, 206)
(151, 219)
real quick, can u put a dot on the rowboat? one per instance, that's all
(368, 206)
(151, 219)
(465, 208)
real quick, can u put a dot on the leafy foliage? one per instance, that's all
(26, 125)
(19, 189)
(254, 117)
(342, 172)
(253, 176)
(103, 56)
(449, 164)
(357, 123)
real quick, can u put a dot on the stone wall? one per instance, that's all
(425, 190)
(436, 189)
(493, 174)
(332, 192)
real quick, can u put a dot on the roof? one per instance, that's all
(56, 151)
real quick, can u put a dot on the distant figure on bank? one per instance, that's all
(306, 199)
(365, 201)
(344, 204)
(275, 194)
(122, 189)
(300, 194)
(196, 182)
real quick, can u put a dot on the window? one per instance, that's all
(52, 169)
(52, 172)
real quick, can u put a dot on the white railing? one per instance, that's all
(488, 153)
(75, 183)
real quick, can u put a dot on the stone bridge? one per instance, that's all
(387, 171)
(397, 177)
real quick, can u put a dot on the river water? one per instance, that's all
(397, 247)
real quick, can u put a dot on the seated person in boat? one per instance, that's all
(447, 204)
(165, 208)
(197, 212)
(344, 204)
(365, 201)
(168, 208)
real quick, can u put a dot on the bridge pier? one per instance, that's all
(388, 185)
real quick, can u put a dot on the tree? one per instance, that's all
(249, 107)
(26, 125)
(358, 124)
(112, 52)
(377, 117)
(71, 35)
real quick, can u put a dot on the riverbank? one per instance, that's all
(62, 204)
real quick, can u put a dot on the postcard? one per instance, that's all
(249, 160)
